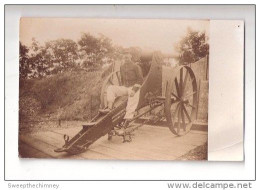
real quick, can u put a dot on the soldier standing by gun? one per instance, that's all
(132, 80)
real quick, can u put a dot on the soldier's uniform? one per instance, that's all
(131, 76)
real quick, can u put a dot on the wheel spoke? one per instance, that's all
(179, 123)
(110, 81)
(186, 113)
(175, 96)
(118, 78)
(181, 82)
(183, 119)
(113, 79)
(181, 108)
(185, 81)
(177, 87)
(190, 94)
(174, 113)
(188, 104)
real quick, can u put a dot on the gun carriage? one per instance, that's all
(172, 92)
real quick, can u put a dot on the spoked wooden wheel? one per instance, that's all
(112, 79)
(181, 100)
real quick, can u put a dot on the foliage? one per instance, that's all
(55, 80)
(23, 61)
(57, 56)
(95, 51)
(192, 47)
(67, 96)
(64, 54)
(29, 108)
(40, 60)
(136, 53)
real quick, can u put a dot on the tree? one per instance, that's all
(136, 53)
(24, 67)
(40, 60)
(95, 51)
(63, 53)
(53, 57)
(192, 47)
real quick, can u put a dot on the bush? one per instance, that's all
(29, 108)
(65, 96)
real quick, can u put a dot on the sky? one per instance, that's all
(149, 34)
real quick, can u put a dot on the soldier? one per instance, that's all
(132, 80)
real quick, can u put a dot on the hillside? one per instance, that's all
(64, 96)
(75, 96)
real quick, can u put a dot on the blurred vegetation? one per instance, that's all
(62, 79)
(64, 96)
(193, 47)
(89, 53)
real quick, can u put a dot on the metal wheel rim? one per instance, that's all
(181, 127)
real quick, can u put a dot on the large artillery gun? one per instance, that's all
(172, 92)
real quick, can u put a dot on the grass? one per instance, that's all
(65, 96)
(71, 96)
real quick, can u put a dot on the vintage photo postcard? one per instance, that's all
(117, 89)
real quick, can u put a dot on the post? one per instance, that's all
(207, 67)
(91, 107)
(198, 100)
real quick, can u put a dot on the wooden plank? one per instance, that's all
(159, 134)
(133, 147)
(26, 151)
(190, 139)
(119, 149)
(199, 132)
(197, 125)
(116, 153)
(95, 155)
(57, 140)
(68, 131)
(48, 148)
(159, 149)
(166, 144)
(146, 147)
(131, 150)
(141, 152)
(149, 143)
(51, 138)
(40, 145)
(127, 150)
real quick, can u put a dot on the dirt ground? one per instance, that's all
(199, 153)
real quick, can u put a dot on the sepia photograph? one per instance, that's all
(113, 89)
